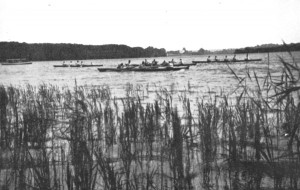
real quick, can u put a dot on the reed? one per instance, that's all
(83, 138)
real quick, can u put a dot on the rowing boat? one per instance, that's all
(77, 65)
(162, 65)
(17, 62)
(143, 69)
(185, 64)
(226, 61)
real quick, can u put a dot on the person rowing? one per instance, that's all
(127, 64)
(226, 59)
(234, 58)
(147, 63)
(216, 59)
(172, 61)
(154, 62)
(208, 59)
(180, 62)
(120, 66)
(247, 57)
(164, 63)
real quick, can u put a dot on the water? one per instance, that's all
(203, 78)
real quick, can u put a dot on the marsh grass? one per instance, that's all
(83, 138)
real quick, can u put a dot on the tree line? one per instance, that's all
(264, 48)
(48, 51)
(270, 48)
(201, 51)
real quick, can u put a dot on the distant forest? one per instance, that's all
(270, 48)
(47, 51)
(256, 49)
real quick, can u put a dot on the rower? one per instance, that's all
(128, 63)
(142, 65)
(154, 62)
(208, 59)
(180, 62)
(170, 64)
(234, 59)
(216, 59)
(146, 62)
(120, 66)
(226, 59)
(247, 57)
(164, 63)
(172, 61)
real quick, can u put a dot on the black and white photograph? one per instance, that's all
(149, 95)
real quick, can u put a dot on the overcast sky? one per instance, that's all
(169, 24)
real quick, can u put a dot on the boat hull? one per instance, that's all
(21, 63)
(77, 65)
(229, 61)
(143, 69)
(185, 64)
(160, 65)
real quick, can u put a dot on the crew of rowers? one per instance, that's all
(75, 63)
(70, 63)
(151, 64)
(225, 59)
(121, 66)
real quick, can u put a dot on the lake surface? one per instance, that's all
(202, 78)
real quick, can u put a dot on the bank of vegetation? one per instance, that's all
(270, 48)
(201, 51)
(84, 138)
(265, 48)
(47, 51)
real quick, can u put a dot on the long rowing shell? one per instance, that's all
(226, 61)
(143, 69)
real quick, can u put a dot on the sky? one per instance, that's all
(169, 24)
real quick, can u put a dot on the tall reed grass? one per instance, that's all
(83, 138)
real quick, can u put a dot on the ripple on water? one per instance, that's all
(200, 77)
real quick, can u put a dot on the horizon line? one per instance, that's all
(217, 49)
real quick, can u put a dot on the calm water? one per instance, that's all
(203, 77)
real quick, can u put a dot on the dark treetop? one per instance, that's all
(47, 51)
(270, 48)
